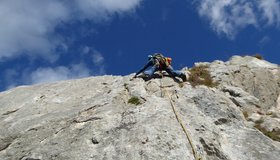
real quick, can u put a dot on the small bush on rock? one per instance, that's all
(274, 134)
(199, 75)
(259, 56)
(245, 114)
(134, 100)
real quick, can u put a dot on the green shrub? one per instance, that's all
(259, 56)
(199, 75)
(134, 100)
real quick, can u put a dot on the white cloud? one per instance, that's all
(48, 74)
(41, 75)
(13, 77)
(97, 58)
(86, 50)
(103, 9)
(27, 26)
(271, 11)
(228, 17)
(265, 40)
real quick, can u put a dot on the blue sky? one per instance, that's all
(51, 40)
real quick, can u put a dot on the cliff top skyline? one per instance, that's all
(58, 40)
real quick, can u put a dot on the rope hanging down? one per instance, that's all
(196, 156)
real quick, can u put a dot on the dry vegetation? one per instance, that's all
(259, 56)
(274, 134)
(199, 75)
(245, 114)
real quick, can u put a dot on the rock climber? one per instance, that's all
(158, 62)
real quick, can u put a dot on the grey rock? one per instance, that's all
(91, 118)
(270, 124)
(258, 78)
(255, 118)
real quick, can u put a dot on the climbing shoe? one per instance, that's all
(184, 77)
(146, 77)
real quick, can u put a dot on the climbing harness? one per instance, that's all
(179, 119)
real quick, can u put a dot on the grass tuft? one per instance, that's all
(245, 114)
(134, 100)
(275, 135)
(259, 56)
(199, 75)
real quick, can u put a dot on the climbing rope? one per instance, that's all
(179, 119)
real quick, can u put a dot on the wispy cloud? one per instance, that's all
(265, 40)
(98, 59)
(270, 11)
(104, 9)
(48, 74)
(29, 75)
(27, 27)
(228, 17)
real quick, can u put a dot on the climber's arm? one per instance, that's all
(150, 63)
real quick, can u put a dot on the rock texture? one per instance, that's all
(91, 118)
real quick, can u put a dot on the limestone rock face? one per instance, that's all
(94, 118)
(259, 78)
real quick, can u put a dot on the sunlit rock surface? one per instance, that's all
(91, 118)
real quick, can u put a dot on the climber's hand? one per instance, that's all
(135, 76)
